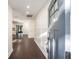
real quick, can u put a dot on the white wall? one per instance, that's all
(29, 27)
(10, 18)
(41, 28)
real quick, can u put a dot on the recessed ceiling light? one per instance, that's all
(28, 6)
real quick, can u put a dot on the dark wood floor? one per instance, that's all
(26, 49)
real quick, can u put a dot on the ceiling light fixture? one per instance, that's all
(28, 6)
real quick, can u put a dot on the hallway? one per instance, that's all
(26, 49)
(39, 29)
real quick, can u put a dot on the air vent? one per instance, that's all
(29, 15)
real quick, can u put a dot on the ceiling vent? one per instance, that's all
(29, 15)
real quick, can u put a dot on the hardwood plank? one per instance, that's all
(27, 49)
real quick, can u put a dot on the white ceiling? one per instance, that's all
(20, 6)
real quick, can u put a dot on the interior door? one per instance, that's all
(57, 31)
